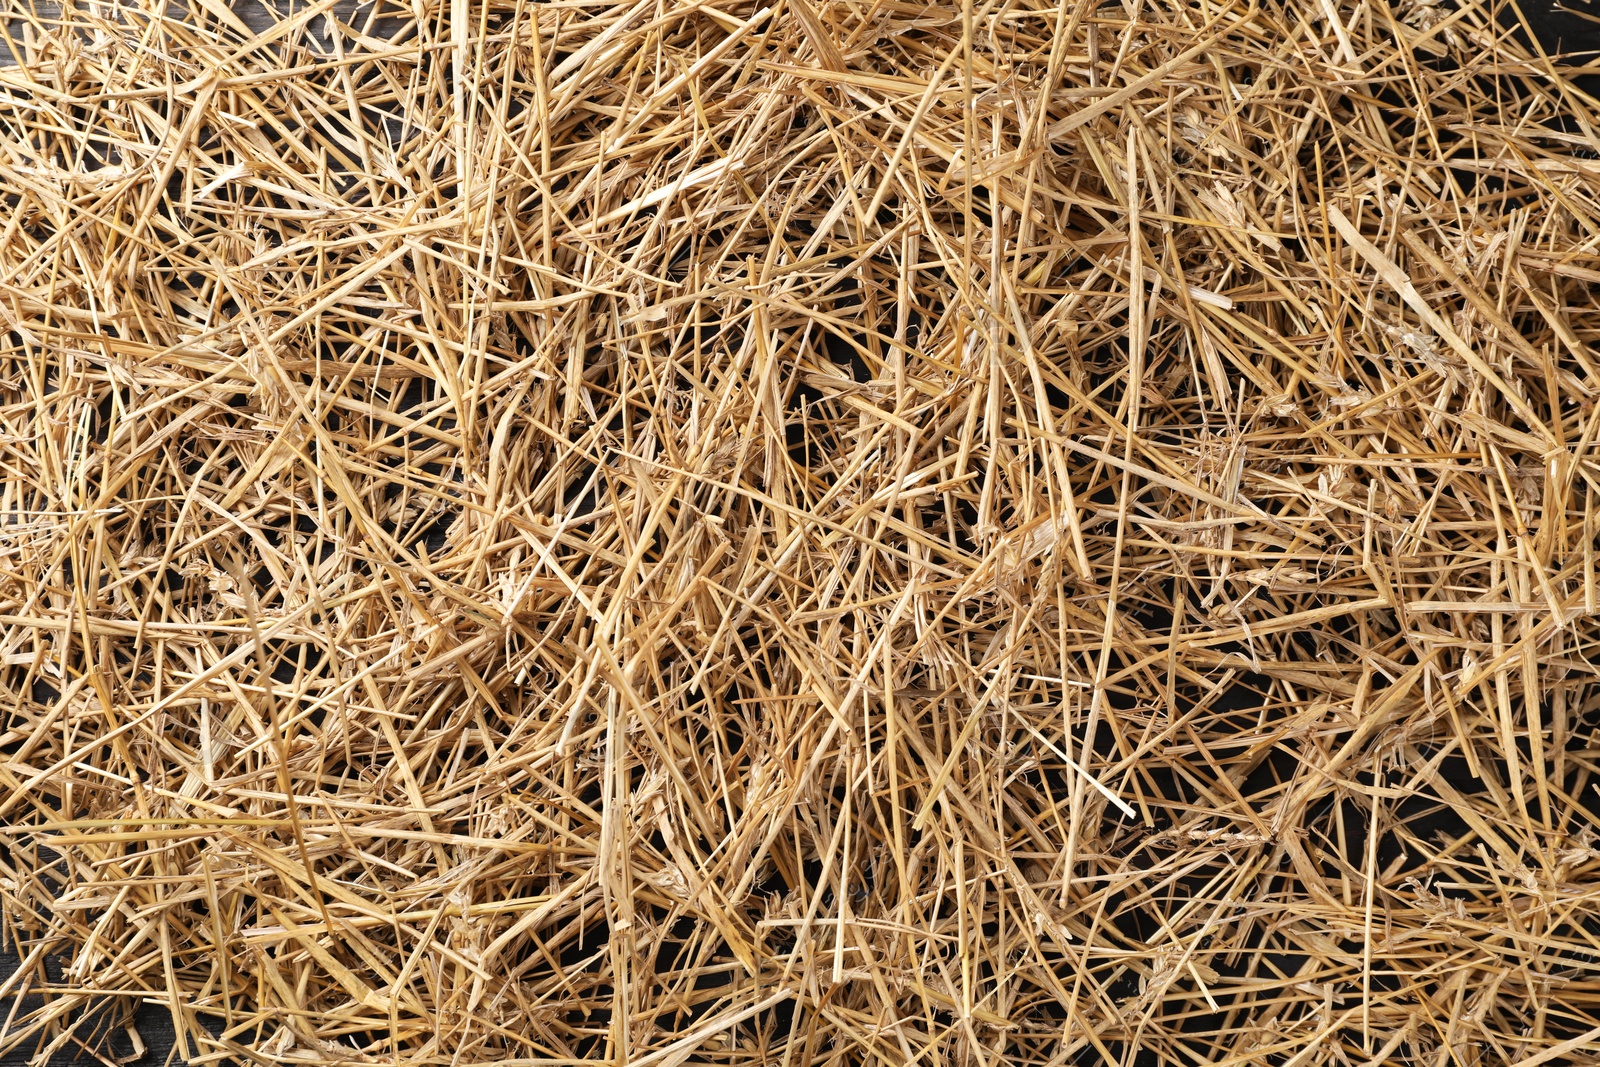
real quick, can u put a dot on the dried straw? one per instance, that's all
(839, 532)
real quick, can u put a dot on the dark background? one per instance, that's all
(1570, 28)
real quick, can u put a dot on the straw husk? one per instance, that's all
(836, 532)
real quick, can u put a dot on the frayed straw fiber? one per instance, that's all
(834, 533)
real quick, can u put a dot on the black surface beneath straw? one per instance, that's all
(152, 1021)
(1570, 28)
(1565, 26)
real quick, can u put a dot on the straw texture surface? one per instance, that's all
(812, 532)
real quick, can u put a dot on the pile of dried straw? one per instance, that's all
(840, 532)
